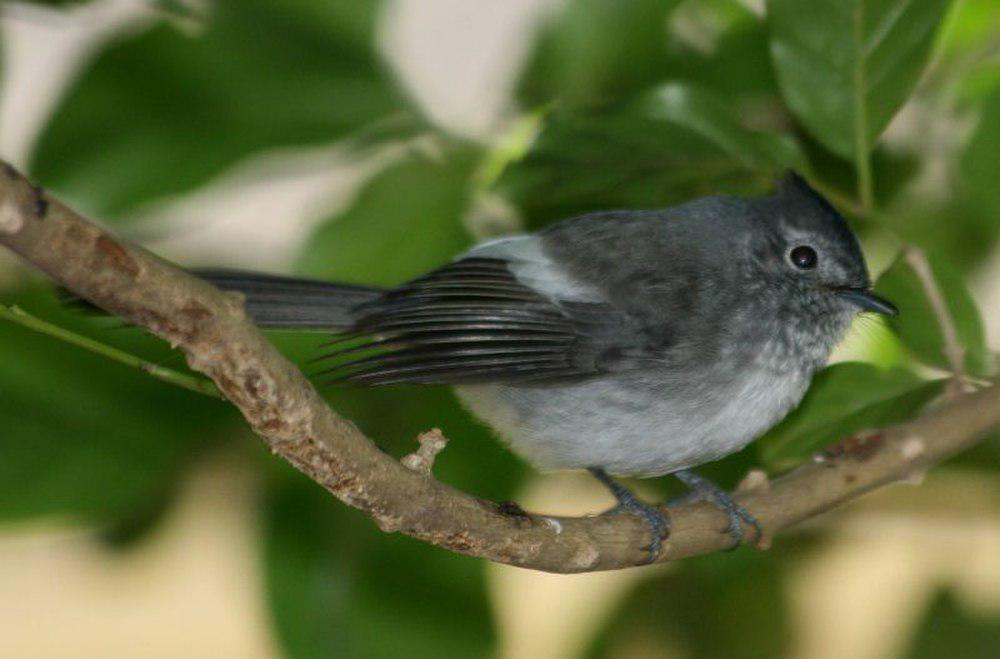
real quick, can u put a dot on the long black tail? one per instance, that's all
(275, 301)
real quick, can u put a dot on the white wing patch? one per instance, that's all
(529, 263)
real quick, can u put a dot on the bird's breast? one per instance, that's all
(644, 424)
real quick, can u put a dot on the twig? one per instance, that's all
(431, 443)
(512, 145)
(862, 147)
(219, 340)
(954, 351)
(190, 382)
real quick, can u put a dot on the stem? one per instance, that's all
(954, 351)
(189, 382)
(862, 158)
(510, 147)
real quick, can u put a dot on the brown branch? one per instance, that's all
(211, 328)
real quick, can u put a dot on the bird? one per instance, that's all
(633, 343)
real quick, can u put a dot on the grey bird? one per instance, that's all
(633, 343)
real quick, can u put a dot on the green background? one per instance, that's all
(616, 106)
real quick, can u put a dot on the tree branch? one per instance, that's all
(218, 339)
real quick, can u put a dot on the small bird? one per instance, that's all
(632, 343)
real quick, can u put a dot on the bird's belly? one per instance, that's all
(633, 426)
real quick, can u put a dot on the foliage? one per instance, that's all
(714, 606)
(582, 59)
(949, 630)
(916, 325)
(163, 111)
(341, 588)
(641, 103)
(845, 399)
(421, 199)
(845, 68)
(84, 437)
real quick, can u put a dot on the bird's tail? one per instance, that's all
(279, 302)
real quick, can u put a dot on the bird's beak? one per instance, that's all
(868, 301)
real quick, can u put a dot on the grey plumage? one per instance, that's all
(279, 302)
(636, 342)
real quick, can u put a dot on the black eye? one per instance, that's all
(803, 257)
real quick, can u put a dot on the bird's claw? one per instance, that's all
(703, 489)
(736, 516)
(655, 519)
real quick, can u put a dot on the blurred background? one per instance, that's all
(370, 140)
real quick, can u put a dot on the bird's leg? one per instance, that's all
(659, 525)
(702, 489)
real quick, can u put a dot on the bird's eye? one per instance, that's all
(803, 257)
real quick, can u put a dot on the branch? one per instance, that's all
(218, 339)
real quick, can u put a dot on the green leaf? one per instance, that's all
(162, 111)
(339, 587)
(957, 230)
(718, 130)
(309, 542)
(967, 46)
(846, 67)
(734, 606)
(475, 461)
(738, 66)
(845, 399)
(970, 25)
(132, 529)
(983, 458)
(981, 161)
(894, 169)
(949, 630)
(707, 114)
(87, 438)
(917, 325)
(629, 158)
(596, 50)
(407, 220)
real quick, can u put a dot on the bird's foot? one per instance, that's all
(629, 503)
(702, 489)
(658, 523)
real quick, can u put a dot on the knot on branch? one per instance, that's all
(11, 219)
(431, 442)
(756, 480)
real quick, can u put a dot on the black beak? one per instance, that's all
(868, 301)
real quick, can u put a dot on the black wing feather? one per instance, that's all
(471, 321)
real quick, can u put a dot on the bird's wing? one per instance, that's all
(476, 321)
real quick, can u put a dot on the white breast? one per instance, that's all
(629, 425)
